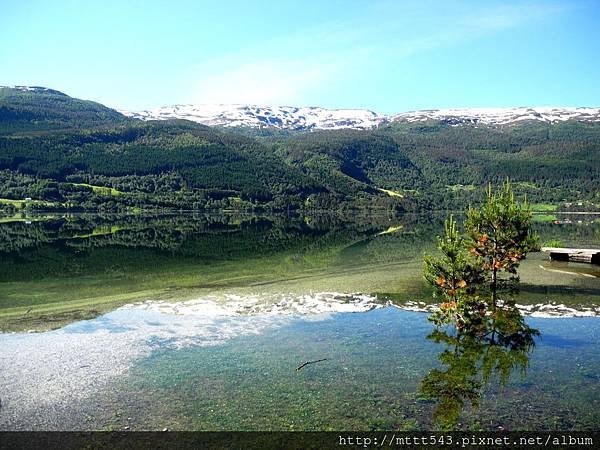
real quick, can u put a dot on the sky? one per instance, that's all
(385, 55)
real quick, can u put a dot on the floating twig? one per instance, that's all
(309, 362)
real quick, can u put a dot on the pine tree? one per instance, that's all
(500, 236)
(454, 277)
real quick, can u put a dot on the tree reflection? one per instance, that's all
(471, 360)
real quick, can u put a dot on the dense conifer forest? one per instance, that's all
(58, 152)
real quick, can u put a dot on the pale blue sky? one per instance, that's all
(388, 55)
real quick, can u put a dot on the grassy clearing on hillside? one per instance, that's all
(543, 207)
(391, 193)
(102, 190)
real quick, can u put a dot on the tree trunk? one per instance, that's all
(494, 288)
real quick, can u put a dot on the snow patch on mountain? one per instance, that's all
(501, 116)
(313, 118)
(284, 117)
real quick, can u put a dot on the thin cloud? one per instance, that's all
(349, 49)
(242, 78)
(263, 82)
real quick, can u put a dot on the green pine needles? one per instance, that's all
(454, 277)
(476, 268)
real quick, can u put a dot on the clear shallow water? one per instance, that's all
(144, 369)
(265, 302)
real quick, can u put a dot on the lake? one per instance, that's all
(198, 322)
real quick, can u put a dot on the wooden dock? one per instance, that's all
(584, 255)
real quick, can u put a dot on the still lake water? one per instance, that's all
(197, 322)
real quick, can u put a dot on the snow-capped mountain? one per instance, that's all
(501, 116)
(309, 118)
(285, 117)
(316, 118)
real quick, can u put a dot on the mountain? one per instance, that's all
(313, 118)
(81, 155)
(38, 108)
(501, 116)
(285, 117)
(36, 89)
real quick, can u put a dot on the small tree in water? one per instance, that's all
(500, 236)
(454, 277)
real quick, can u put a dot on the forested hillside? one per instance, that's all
(61, 152)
